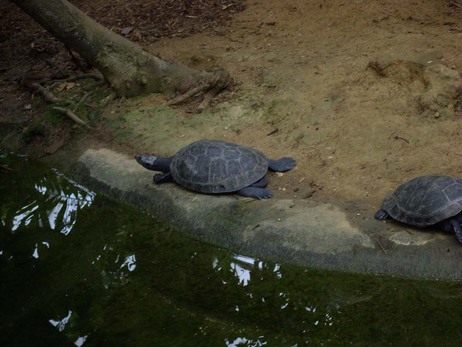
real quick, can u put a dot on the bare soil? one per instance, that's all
(365, 95)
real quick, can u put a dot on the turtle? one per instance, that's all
(215, 167)
(426, 201)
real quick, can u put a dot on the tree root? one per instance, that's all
(218, 81)
(82, 100)
(49, 97)
(94, 76)
(71, 115)
(52, 99)
(189, 94)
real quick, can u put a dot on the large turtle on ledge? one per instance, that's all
(426, 201)
(214, 167)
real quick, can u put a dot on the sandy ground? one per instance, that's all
(363, 94)
(344, 88)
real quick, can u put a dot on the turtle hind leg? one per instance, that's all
(282, 165)
(455, 223)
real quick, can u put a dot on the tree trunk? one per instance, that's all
(128, 68)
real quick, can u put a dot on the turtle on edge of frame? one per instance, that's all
(426, 201)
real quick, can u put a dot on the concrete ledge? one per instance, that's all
(295, 231)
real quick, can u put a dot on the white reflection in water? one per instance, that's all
(243, 265)
(72, 202)
(276, 269)
(287, 299)
(239, 270)
(215, 263)
(60, 205)
(241, 273)
(244, 259)
(328, 318)
(80, 341)
(36, 253)
(328, 321)
(242, 341)
(130, 263)
(119, 277)
(61, 324)
(24, 215)
(310, 308)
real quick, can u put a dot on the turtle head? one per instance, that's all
(151, 162)
(148, 161)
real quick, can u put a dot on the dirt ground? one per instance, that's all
(363, 94)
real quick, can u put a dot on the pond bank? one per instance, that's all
(288, 230)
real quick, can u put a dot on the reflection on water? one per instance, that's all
(61, 324)
(79, 270)
(242, 341)
(58, 203)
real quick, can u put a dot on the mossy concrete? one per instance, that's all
(296, 231)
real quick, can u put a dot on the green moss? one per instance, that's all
(35, 129)
(276, 112)
(53, 117)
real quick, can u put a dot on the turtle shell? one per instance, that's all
(425, 200)
(210, 166)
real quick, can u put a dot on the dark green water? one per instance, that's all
(79, 269)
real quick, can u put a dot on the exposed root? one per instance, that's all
(205, 101)
(219, 81)
(47, 95)
(94, 76)
(71, 115)
(190, 93)
(52, 99)
(82, 100)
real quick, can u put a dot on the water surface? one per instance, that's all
(80, 270)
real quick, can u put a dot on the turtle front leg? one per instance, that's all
(257, 190)
(163, 178)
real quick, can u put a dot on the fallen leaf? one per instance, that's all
(126, 31)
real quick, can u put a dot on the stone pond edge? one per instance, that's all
(294, 231)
